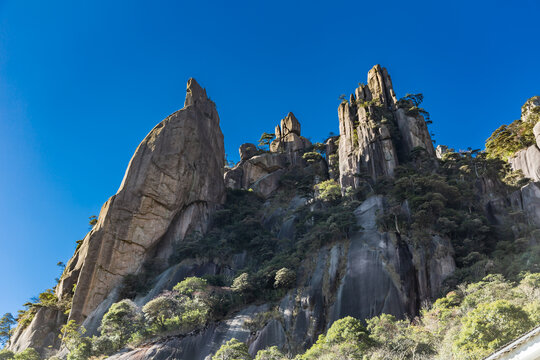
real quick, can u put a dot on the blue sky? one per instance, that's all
(82, 83)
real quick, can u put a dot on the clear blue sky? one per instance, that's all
(82, 83)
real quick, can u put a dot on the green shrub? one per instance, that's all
(346, 338)
(191, 285)
(82, 351)
(102, 345)
(509, 139)
(232, 350)
(27, 354)
(312, 157)
(328, 190)
(285, 278)
(71, 334)
(158, 310)
(243, 284)
(271, 353)
(121, 321)
(6, 354)
(490, 326)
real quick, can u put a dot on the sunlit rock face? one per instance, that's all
(528, 160)
(172, 184)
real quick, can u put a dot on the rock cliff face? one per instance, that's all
(173, 183)
(374, 130)
(176, 179)
(372, 273)
(528, 160)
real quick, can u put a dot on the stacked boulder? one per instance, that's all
(261, 170)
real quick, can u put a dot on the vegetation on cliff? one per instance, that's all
(468, 323)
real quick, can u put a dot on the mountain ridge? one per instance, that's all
(382, 246)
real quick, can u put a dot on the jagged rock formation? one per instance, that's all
(172, 184)
(261, 171)
(374, 130)
(528, 160)
(288, 137)
(176, 179)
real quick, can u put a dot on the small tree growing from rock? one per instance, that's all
(266, 139)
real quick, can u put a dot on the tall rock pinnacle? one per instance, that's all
(374, 130)
(172, 184)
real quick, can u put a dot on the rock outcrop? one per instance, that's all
(528, 160)
(288, 139)
(173, 183)
(376, 132)
(261, 171)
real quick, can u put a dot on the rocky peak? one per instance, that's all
(194, 93)
(290, 125)
(380, 86)
(374, 130)
(288, 138)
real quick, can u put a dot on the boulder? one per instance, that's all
(266, 185)
(247, 151)
(290, 125)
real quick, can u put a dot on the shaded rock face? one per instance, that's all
(528, 160)
(172, 184)
(527, 199)
(375, 132)
(41, 334)
(199, 346)
(247, 151)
